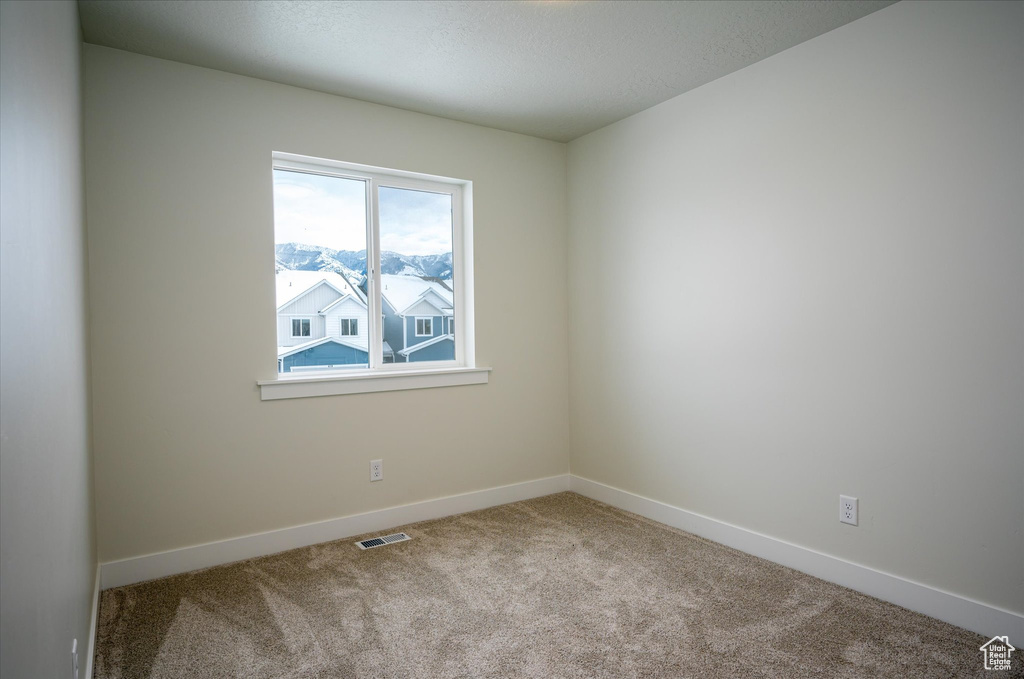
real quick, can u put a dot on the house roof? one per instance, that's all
(292, 284)
(282, 352)
(339, 301)
(424, 345)
(404, 291)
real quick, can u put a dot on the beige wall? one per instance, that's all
(179, 214)
(817, 263)
(48, 569)
(798, 281)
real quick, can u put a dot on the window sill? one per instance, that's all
(367, 382)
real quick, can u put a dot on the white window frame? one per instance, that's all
(427, 321)
(382, 376)
(351, 321)
(308, 320)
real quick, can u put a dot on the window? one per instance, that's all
(349, 327)
(377, 246)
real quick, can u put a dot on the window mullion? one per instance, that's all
(460, 275)
(416, 211)
(375, 329)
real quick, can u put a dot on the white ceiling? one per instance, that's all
(555, 70)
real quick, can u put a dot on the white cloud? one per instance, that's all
(319, 210)
(331, 212)
(415, 222)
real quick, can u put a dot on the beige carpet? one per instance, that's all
(559, 586)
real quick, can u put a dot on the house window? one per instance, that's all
(380, 246)
(349, 327)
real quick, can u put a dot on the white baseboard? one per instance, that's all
(93, 623)
(162, 564)
(984, 619)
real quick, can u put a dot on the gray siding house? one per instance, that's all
(419, 318)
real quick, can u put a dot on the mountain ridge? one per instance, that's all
(352, 263)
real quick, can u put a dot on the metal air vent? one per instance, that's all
(383, 540)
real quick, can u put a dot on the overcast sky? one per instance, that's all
(330, 211)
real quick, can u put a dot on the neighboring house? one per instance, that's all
(419, 321)
(321, 322)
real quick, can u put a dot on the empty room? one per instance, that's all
(387, 339)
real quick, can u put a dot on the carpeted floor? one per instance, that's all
(559, 586)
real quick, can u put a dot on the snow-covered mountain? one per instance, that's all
(302, 257)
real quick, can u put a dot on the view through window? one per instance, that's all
(354, 291)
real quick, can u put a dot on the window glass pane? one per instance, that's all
(349, 327)
(320, 243)
(416, 272)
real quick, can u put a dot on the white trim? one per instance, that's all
(313, 287)
(323, 312)
(341, 327)
(973, 615)
(374, 291)
(295, 161)
(363, 382)
(460, 191)
(424, 297)
(312, 344)
(326, 368)
(425, 320)
(93, 624)
(426, 343)
(308, 319)
(162, 564)
(462, 269)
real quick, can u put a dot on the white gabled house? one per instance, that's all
(321, 322)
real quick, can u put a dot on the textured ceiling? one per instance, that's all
(555, 70)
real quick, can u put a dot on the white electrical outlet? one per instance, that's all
(74, 659)
(848, 509)
(376, 470)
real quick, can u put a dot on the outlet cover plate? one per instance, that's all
(376, 470)
(848, 509)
